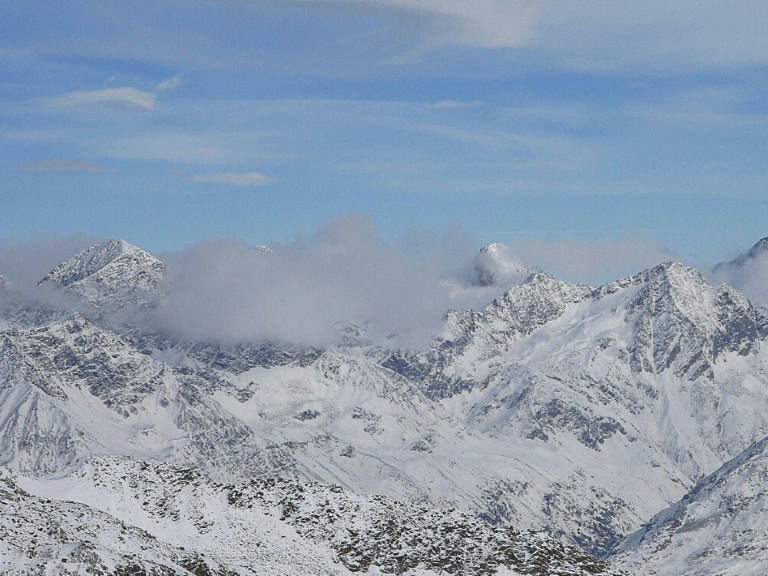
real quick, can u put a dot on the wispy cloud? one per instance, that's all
(652, 35)
(110, 96)
(748, 274)
(62, 165)
(449, 105)
(169, 84)
(235, 178)
(482, 23)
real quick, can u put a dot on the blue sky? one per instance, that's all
(594, 124)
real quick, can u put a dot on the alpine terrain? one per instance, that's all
(560, 424)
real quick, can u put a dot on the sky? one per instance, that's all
(575, 131)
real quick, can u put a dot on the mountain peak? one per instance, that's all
(90, 261)
(680, 278)
(682, 320)
(760, 247)
(111, 273)
(673, 270)
(674, 275)
(497, 265)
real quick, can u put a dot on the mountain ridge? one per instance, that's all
(574, 409)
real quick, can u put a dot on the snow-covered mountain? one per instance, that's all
(718, 528)
(641, 387)
(71, 390)
(111, 275)
(578, 410)
(165, 516)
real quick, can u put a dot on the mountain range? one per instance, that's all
(624, 421)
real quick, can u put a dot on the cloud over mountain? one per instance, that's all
(231, 291)
(344, 272)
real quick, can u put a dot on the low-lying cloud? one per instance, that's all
(23, 263)
(228, 291)
(231, 291)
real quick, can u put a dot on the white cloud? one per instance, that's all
(485, 23)
(344, 272)
(169, 84)
(235, 178)
(110, 96)
(593, 34)
(748, 275)
(655, 34)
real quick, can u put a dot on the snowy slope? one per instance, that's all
(647, 383)
(42, 535)
(718, 528)
(574, 409)
(71, 389)
(274, 526)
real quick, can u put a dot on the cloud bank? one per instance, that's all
(228, 291)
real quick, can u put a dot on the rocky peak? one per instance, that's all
(110, 275)
(683, 321)
(90, 261)
(760, 247)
